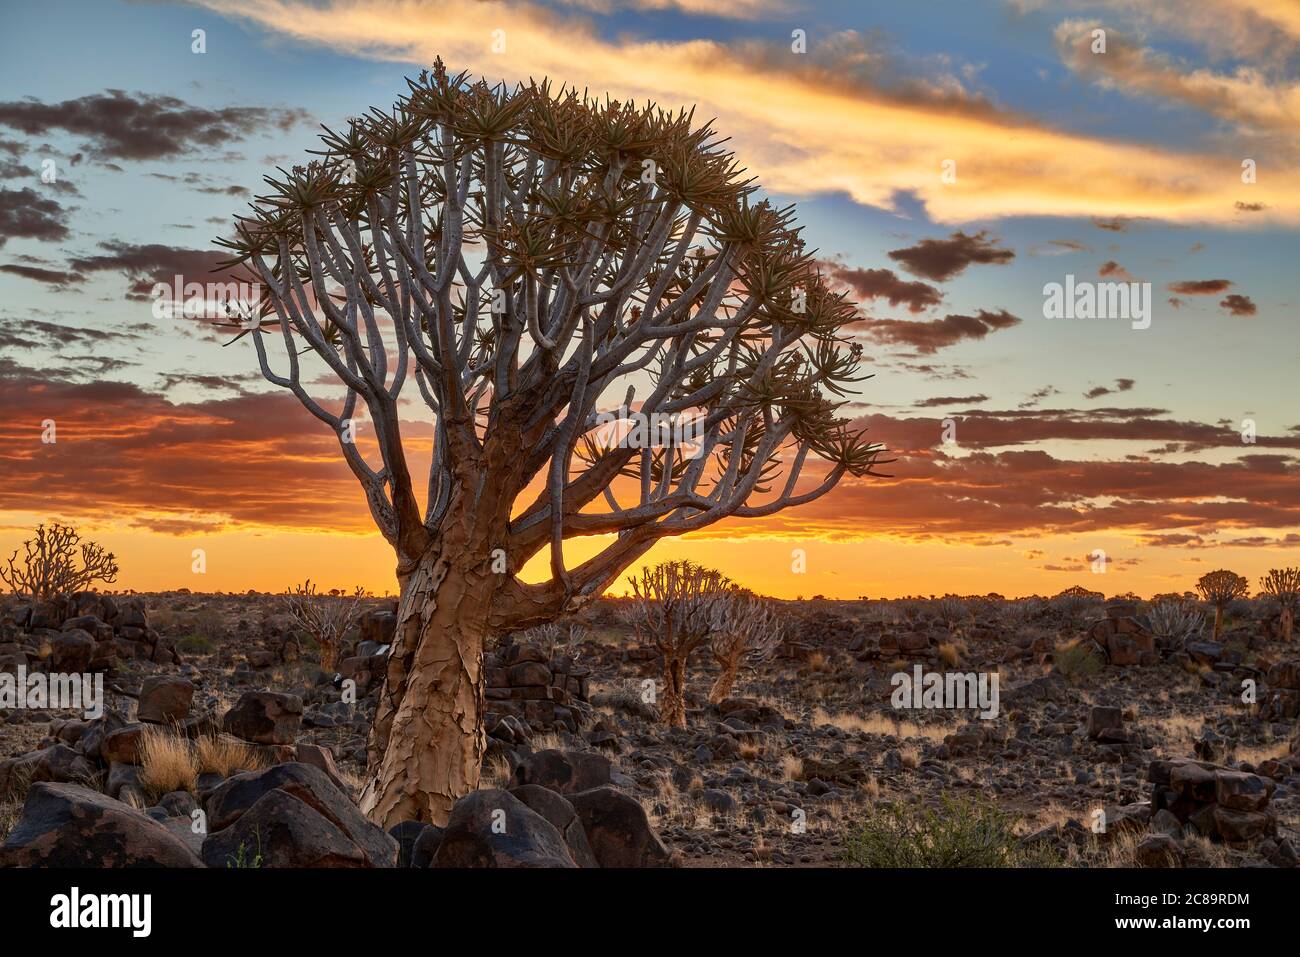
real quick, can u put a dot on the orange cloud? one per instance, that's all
(804, 123)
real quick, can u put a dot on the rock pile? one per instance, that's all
(1281, 701)
(1220, 802)
(523, 684)
(562, 809)
(1123, 637)
(79, 633)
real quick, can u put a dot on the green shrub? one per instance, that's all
(1078, 659)
(195, 644)
(962, 832)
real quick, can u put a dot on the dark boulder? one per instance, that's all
(493, 828)
(618, 830)
(265, 717)
(236, 796)
(566, 772)
(67, 825)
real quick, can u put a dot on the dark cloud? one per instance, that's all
(143, 126)
(51, 277)
(928, 337)
(1112, 268)
(941, 259)
(40, 333)
(1249, 207)
(885, 284)
(26, 214)
(1199, 287)
(1117, 225)
(146, 265)
(1238, 305)
(950, 400)
(1121, 385)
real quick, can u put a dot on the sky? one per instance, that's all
(948, 160)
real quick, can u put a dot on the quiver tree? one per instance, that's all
(326, 616)
(531, 259)
(750, 630)
(1283, 586)
(1220, 587)
(679, 606)
(50, 565)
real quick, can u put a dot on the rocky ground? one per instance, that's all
(227, 745)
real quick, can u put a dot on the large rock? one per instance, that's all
(556, 809)
(379, 627)
(67, 825)
(58, 763)
(123, 744)
(100, 728)
(165, 699)
(71, 652)
(566, 772)
(228, 803)
(280, 830)
(265, 717)
(618, 830)
(1106, 724)
(493, 828)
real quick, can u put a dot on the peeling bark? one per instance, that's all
(426, 745)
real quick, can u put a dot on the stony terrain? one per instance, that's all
(1113, 745)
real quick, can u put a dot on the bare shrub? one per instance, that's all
(327, 617)
(749, 631)
(49, 565)
(677, 609)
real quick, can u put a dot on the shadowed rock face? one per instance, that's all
(315, 796)
(67, 825)
(563, 771)
(265, 717)
(493, 828)
(617, 829)
(280, 830)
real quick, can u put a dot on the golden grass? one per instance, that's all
(791, 767)
(224, 755)
(881, 724)
(950, 653)
(497, 773)
(167, 763)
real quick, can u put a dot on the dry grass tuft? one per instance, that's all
(497, 773)
(167, 763)
(791, 767)
(224, 755)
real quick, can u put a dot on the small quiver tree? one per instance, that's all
(678, 607)
(1283, 586)
(1220, 587)
(49, 564)
(750, 630)
(327, 617)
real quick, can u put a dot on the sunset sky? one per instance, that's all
(1071, 435)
